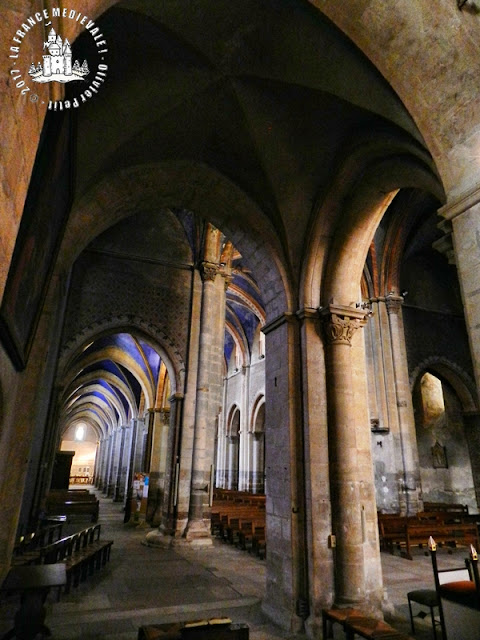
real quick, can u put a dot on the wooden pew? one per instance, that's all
(445, 507)
(72, 503)
(82, 553)
(402, 533)
(239, 518)
(28, 548)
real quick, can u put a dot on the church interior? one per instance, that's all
(247, 265)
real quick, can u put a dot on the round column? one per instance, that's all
(348, 493)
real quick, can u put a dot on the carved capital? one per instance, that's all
(208, 271)
(393, 304)
(340, 323)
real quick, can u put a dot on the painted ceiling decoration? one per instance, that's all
(109, 380)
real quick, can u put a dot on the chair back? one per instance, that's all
(457, 574)
(458, 583)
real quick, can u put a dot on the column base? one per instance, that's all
(198, 532)
(283, 618)
(159, 538)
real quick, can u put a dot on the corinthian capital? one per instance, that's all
(340, 323)
(208, 270)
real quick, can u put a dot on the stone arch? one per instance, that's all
(233, 422)
(345, 220)
(381, 34)
(457, 377)
(198, 188)
(258, 405)
(446, 419)
(169, 353)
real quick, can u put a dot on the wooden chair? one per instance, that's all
(425, 598)
(456, 584)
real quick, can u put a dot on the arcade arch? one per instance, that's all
(254, 176)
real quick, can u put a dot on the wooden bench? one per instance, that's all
(28, 548)
(240, 520)
(355, 622)
(82, 553)
(445, 507)
(74, 502)
(405, 532)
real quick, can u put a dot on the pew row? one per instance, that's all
(239, 518)
(72, 502)
(403, 533)
(82, 553)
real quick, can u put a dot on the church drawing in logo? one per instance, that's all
(57, 62)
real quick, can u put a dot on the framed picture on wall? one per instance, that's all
(45, 213)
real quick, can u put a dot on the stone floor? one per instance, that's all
(142, 585)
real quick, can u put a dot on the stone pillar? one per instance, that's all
(96, 465)
(321, 587)
(384, 418)
(209, 398)
(138, 448)
(410, 483)
(112, 472)
(351, 478)
(158, 461)
(286, 594)
(118, 493)
(244, 474)
(170, 511)
(101, 466)
(108, 464)
(472, 434)
(131, 459)
(464, 216)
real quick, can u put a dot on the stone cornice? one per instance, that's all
(307, 313)
(462, 203)
(288, 316)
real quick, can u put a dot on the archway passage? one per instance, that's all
(262, 127)
(81, 438)
(444, 443)
(112, 384)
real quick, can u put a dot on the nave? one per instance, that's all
(142, 585)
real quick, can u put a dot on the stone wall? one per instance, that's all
(430, 334)
(106, 287)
